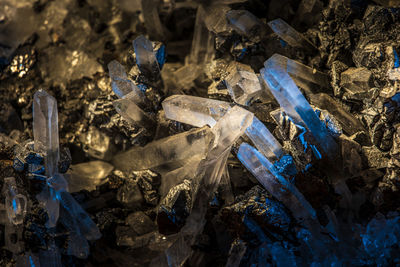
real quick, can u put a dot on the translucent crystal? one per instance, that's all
(15, 203)
(88, 175)
(169, 150)
(271, 179)
(296, 106)
(307, 78)
(146, 57)
(130, 112)
(196, 111)
(263, 139)
(215, 19)
(245, 23)
(349, 123)
(152, 19)
(50, 257)
(97, 144)
(86, 226)
(202, 49)
(242, 83)
(121, 84)
(290, 35)
(45, 129)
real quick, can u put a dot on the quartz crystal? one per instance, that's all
(196, 111)
(152, 19)
(263, 139)
(202, 49)
(304, 76)
(274, 182)
(242, 83)
(121, 84)
(146, 57)
(245, 23)
(349, 123)
(45, 129)
(215, 19)
(15, 203)
(290, 35)
(88, 175)
(172, 150)
(296, 106)
(130, 112)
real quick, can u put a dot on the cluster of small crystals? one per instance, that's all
(157, 196)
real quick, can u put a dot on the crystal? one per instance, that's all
(290, 35)
(196, 111)
(129, 194)
(236, 253)
(202, 49)
(121, 84)
(16, 204)
(215, 19)
(45, 129)
(242, 83)
(356, 82)
(88, 175)
(87, 227)
(130, 112)
(152, 19)
(349, 123)
(146, 57)
(97, 144)
(263, 139)
(304, 76)
(296, 106)
(172, 149)
(245, 23)
(278, 186)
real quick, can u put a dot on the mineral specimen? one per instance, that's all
(146, 57)
(16, 204)
(88, 175)
(245, 23)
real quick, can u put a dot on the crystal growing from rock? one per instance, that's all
(304, 76)
(272, 180)
(245, 23)
(146, 57)
(15, 203)
(263, 139)
(242, 83)
(290, 35)
(45, 129)
(173, 150)
(196, 111)
(296, 106)
(121, 84)
(130, 112)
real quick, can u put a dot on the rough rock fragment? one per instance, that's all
(356, 82)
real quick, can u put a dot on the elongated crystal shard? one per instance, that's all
(146, 57)
(245, 23)
(169, 150)
(304, 76)
(263, 139)
(45, 129)
(296, 106)
(152, 19)
(242, 83)
(202, 50)
(290, 35)
(130, 112)
(196, 111)
(277, 185)
(15, 203)
(121, 84)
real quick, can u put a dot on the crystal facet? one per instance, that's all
(146, 57)
(245, 23)
(242, 83)
(15, 203)
(296, 106)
